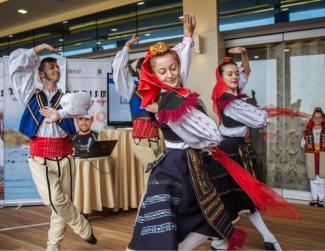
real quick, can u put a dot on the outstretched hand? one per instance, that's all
(237, 50)
(50, 114)
(134, 39)
(45, 47)
(189, 25)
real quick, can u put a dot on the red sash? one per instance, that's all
(50, 147)
(144, 128)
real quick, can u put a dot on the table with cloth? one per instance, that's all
(115, 182)
(127, 171)
(94, 185)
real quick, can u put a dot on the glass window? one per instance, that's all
(151, 20)
(287, 78)
(239, 14)
(300, 10)
(4, 45)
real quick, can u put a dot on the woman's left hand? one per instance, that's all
(152, 108)
(50, 114)
(237, 50)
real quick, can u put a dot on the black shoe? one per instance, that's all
(319, 204)
(271, 246)
(313, 203)
(91, 240)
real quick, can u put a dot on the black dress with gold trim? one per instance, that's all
(237, 115)
(180, 197)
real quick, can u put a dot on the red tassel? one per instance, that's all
(223, 104)
(165, 116)
(237, 239)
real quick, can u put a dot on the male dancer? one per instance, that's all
(50, 160)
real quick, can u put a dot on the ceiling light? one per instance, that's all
(147, 34)
(256, 57)
(61, 40)
(286, 50)
(10, 35)
(181, 18)
(140, 3)
(113, 29)
(98, 42)
(22, 11)
(65, 22)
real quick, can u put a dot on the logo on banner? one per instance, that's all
(74, 71)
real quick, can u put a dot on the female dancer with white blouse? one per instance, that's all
(235, 116)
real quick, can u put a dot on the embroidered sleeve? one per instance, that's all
(239, 131)
(22, 68)
(182, 115)
(74, 104)
(122, 77)
(197, 130)
(247, 114)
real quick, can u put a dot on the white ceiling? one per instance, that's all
(45, 12)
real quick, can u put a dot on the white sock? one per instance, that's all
(219, 244)
(192, 241)
(259, 224)
(277, 246)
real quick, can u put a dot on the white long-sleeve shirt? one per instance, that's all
(23, 64)
(196, 129)
(122, 77)
(247, 114)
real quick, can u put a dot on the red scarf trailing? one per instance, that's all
(283, 111)
(264, 198)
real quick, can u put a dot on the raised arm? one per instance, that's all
(184, 49)
(122, 77)
(23, 65)
(244, 69)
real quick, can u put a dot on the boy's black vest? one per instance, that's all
(32, 119)
(135, 106)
